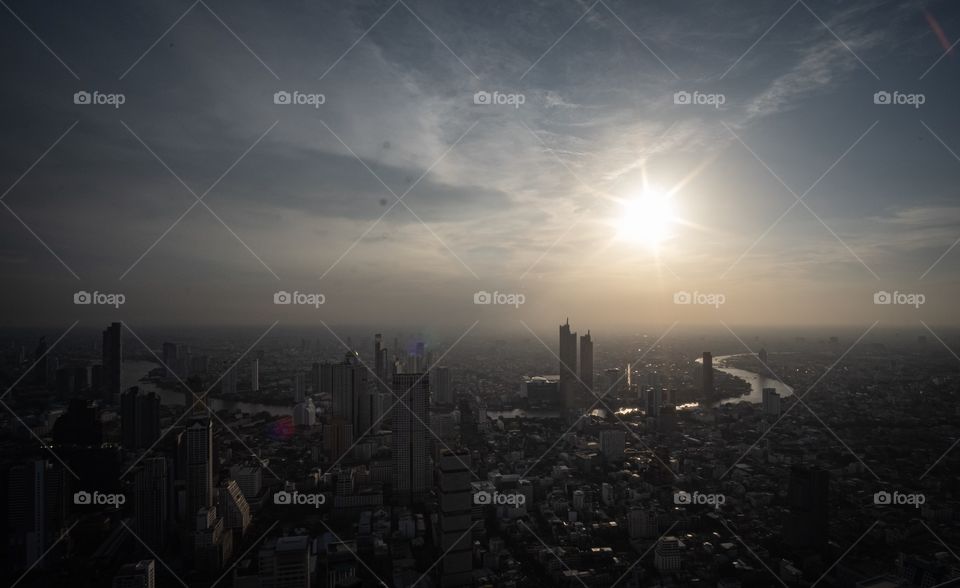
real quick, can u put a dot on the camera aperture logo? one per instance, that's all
(884, 498)
(84, 498)
(302, 298)
(298, 98)
(100, 298)
(485, 498)
(898, 98)
(697, 98)
(499, 298)
(296, 498)
(714, 299)
(683, 497)
(98, 98)
(900, 298)
(497, 98)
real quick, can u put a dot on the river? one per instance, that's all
(757, 381)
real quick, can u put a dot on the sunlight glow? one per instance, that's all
(648, 218)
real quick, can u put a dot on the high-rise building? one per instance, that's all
(586, 364)
(249, 478)
(255, 375)
(26, 512)
(668, 555)
(233, 507)
(285, 562)
(305, 414)
(299, 391)
(442, 391)
(350, 388)
(151, 501)
(612, 444)
(380, 362)
(707, 369)
(139, 419)
(112, 361)
(198, 454)
(807, 520)
(136, 575)
(455, 518)
(228, 384)
(652, 401)
(771, 402)
(411, 468)
(568, 365)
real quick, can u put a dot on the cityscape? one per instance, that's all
(438, 294)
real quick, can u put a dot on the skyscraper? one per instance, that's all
(255, 375)
(228, 385)
(139, 419)
(198, 454)
(233, 507)
(411, 469)
(26, 512)
(136, 575)
(151, 501)
(586, 364)
(808, 519)
(568, 365)
(707, 369)
(456, 508)
(442, 389)
(112, 361)
(380, 362)
(771, 402)
(299, 391)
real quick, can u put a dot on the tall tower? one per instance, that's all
(112, 361)
(151, 512)
(456, 507)
(379, 360)
(411, 469)
(568, 365)
(442, 390)
(586, 363)
(139, 419)
(255, 375)
(198, 453)
(707, 374)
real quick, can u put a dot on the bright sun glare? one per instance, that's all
(648, 218)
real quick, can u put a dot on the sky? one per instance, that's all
(527, 197)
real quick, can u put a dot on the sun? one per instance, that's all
(648, 218)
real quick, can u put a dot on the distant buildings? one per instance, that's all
(586, 364)
(612, 444)
(136, 575)
(112, 362)
(139, 419)
(771, 402)
(442, 390)
(255, 375)
(707, 370)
